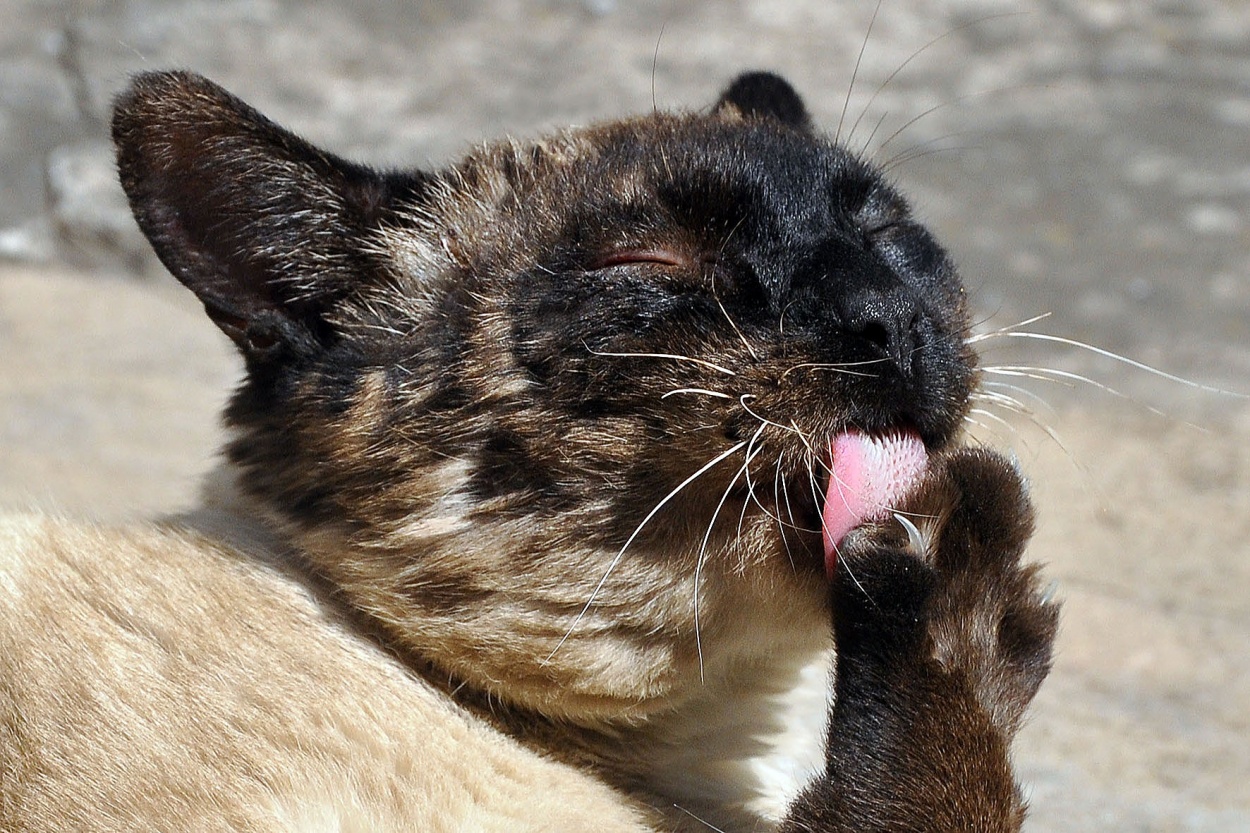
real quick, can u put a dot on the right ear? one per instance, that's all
(268, 231)
(764, 95)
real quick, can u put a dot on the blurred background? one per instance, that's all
(1086, 160)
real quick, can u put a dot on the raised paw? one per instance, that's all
(942, 640)
(978, 612)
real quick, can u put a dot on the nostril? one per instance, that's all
(879, 335)
(889, 320)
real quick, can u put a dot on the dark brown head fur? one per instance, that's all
(461, 379)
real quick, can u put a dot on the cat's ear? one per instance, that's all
(763, 95)
(267, 230)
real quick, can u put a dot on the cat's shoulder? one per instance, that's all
(167, 653)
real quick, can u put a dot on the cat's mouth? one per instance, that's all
(868, 475)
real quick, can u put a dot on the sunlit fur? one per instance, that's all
(534, 448)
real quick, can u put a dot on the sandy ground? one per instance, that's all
(1098, 170)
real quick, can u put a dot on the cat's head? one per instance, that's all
(559, 414)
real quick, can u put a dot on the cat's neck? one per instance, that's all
(732, 752)
(737, 756)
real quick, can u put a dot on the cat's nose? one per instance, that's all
(888, 318)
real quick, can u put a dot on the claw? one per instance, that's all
(914, 539)
(1048, 595)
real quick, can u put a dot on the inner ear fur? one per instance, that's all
(266, 229)
(764, 95)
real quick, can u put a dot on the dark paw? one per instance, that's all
(951, 596)
(942, 639)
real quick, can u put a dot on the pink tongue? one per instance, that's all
(870, 474)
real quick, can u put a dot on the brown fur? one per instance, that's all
(457, 570)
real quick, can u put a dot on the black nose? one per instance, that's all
(888, 318)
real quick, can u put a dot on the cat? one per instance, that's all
(520, 526)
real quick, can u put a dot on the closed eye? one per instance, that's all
(629, 257)
(890, 232)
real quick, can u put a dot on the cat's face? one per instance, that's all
(559, 415)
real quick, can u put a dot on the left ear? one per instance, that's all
(763, 95)
(269, 231)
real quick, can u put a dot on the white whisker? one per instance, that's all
(998, 398)
(781, 529)
(978, 424)
(698, 563)
(837, 368)
(1022, 391)
(1026, 322)
(923, 149)
(850, 89)
(750, 350)
(990, 415)
(703, 822)
(949, 103)
(1002, 400)
(1048, 430)
(810, 450)
(814, 483)
(1062, 377)
(703, 391)
(1013, 406)
(742, 400)
(751, 498)
(785, 490)
(1027, 372)
(776, 516)
(1145, 368)
(673, 356)
(914, 55)
(617, 558)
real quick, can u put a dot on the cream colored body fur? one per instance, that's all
(185, 676)
(284, 719)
